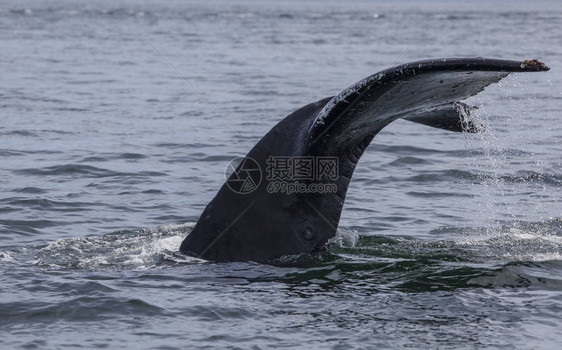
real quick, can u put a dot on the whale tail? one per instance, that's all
(427, 92)
(261, 224)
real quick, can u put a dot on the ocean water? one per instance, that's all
(119, 118)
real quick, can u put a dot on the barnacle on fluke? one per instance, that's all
(535, 63)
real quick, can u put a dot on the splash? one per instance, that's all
(6, 257)
(519, 241)
(119, 250)
(512, 183)
(517, 209)
(344, 237)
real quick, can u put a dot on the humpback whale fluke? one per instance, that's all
(322, 142)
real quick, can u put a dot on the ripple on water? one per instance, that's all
(83, 170)
(80, 309)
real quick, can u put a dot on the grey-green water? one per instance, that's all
(119, 118)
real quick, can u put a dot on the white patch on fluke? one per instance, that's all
(343, 96)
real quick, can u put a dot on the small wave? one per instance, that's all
(404, 150)
(68, 169)
(433, 194)
(15, 153)
(241, 15)
(30, 190)
(10, 153)
(22, 11)
(521, 275)
(534, 177)
(445, 175)
(131, 156)
(104, 157)
(25, 133)
(407, 161)
(80, 309)
(172, 145)
(47, 204)
(79, 169)
(476, 176)
(450, 16)
(28, 227)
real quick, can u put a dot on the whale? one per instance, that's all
(285, 197)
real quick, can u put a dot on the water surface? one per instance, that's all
(119, 118)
